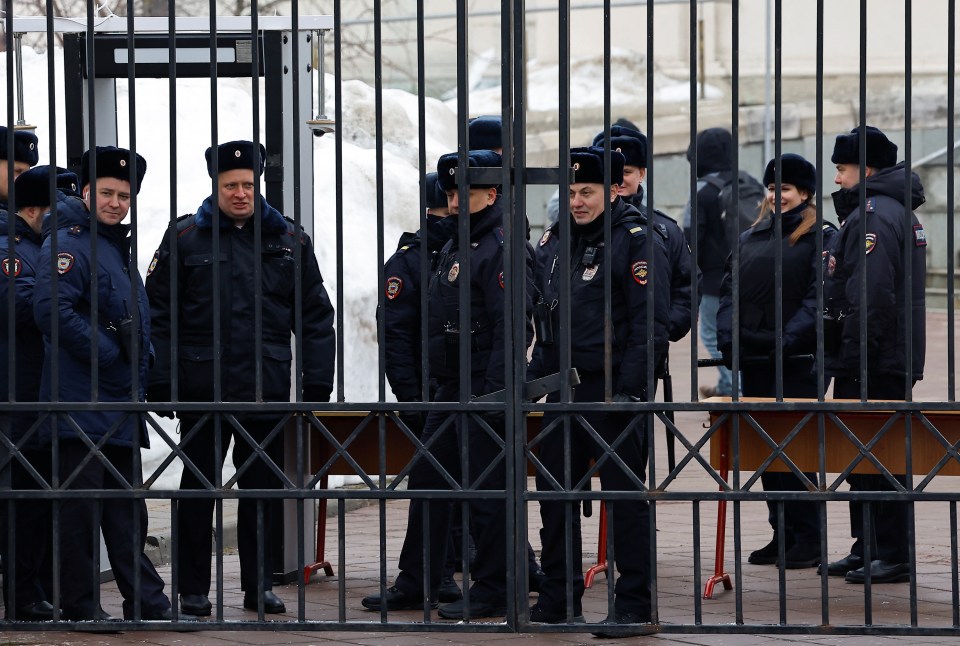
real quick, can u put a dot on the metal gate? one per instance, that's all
(346, 177)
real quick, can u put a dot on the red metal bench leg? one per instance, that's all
(719, 576)
(601, 565)
(320, 563)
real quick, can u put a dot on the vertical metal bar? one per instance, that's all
(514, 312)
(607, 228)
(697, 566)
(735, 373)
(781, 533)
(424, 270)
(818, 159)
(954, 566)
(649, 417)
(134, 311)
(94, 223)
(778, 209)
(862, 188)
(258, 210)
(691, 216)
(908, 251)
(951, 246)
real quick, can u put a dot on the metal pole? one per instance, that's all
(18, 51)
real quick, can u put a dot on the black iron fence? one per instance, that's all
(237, 318)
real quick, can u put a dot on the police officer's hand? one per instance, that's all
(624, 398)
(159, 394)
(316, 393)
(726, 352)
(758, 341)
(414, 420)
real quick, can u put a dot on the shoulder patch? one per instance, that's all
(153, 262)
(546, 237)
(919, 236)
(500, 280)
(871, 242)
(394, 287)
(65, 262)
(16, 267)
(640, 272)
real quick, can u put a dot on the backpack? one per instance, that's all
(751, 193)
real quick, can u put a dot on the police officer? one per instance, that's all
(485, 257)
(122, 332)
(758, 332)
(230, 214)
(887, 310)
(636, 276)
(25, 156)
(632, 144)
(402, 324)
(28, 597)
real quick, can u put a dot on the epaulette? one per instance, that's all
(870, 205)
(75, 230)
(408, 240)
(664, 215)
(499, 233)
(829, 227)
(185, 223)
(637, 227)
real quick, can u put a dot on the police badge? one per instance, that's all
(454, 272)
(640, 272)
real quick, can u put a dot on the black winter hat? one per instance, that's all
(236, 154)
(626, 123)
(588, 165)
(713, 147)
(631, 143)
(25, 147)
(112, 162)
(795, 170)
(447, 168)
(32, 188)
(881, 152)
(436, 198)
(486, 133)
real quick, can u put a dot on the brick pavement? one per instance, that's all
(678, 596)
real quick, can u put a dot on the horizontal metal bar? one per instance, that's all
(143, 25)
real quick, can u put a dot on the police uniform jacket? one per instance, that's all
(195, 260)
(487, 299)
(636, 277)
(888, 223)
(800, 263)
(681, 267)
(120, 296)
(19, 272)
(401, 306)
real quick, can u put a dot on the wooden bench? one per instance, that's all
(838, 450)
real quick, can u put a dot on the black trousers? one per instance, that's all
(630, 518)
(195, 535)
(487, 515)
(801, 519)
(119, 518)
(28, 575)
(889, 520)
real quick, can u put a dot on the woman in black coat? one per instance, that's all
(758, 334)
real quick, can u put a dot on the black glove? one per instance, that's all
(414, 420)
(624, 398)
(316, 393)
(726, 352)
(757, 341)
(160, 394)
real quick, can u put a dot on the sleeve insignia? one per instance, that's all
(454, 272)
(500, 279)
(590, 272)
(394, 285)
(640, 273)
(919, 235)
(153, 263)
(64, 262)
(831, 265)
(871, 242)
(16, 267)
(545, 238)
